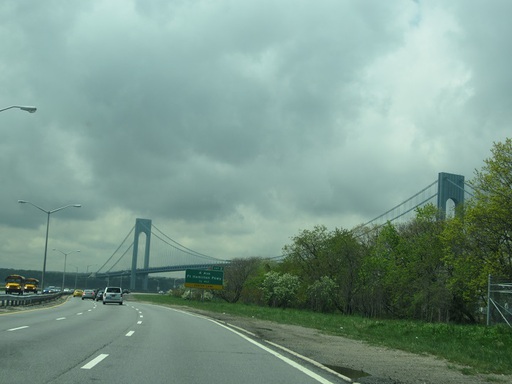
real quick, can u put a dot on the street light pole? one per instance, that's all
(76, 275)
(22, 107)
(87, 273)
(65, 257)
(48, 213)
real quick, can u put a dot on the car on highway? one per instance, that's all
(113, 295)
(99, 295)
(50, 289)
(78, 293)
(88, 294)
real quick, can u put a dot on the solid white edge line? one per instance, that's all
(288, 361)
(311, 361)
(242, 330)
(95, 361)
(278, 355)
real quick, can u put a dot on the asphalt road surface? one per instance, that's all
(82, 341)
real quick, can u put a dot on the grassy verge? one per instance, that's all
(482, 349)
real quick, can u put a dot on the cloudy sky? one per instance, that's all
(233, 125)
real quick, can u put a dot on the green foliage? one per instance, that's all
(478, 241)
(306, 255)
(321, 295)
(251, 294)
(490, 219)
(236, 276)
(280, 290)
(320, 253)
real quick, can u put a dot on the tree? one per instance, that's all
(466, 271)
(236, 274)
(336, 255)
(343, 259)
(305, 256)
(381, 273)
(280, 290)
(427, 294)
(321, 295)
(478, 241)
(490, 218)
(403, 273)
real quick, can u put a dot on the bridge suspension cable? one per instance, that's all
(121, 257)
(110, 258)
(181, 247)
(465, 190)
(403, 203)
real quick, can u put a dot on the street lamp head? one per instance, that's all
(66, 253)
(22, 201)
(77, 205)
(28, 109)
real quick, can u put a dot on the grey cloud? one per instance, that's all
(242, 120)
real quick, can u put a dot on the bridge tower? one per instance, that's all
(449, 187)
(141, 226)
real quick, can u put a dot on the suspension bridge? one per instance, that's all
(163, 254)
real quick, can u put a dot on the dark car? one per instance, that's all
(99, 295)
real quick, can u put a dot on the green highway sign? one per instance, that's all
(205, 279)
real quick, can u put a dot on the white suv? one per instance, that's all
(113, 295)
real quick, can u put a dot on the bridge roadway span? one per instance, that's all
(172, 268)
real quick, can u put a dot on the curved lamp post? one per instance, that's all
(22, 107)
(76, 274)
(87, 274)
(65, 257)
(48, 213)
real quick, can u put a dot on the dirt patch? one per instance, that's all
(383, 365)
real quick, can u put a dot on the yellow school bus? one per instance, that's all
(31, 284)
(14, 284)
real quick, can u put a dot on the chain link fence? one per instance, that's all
(499, 301)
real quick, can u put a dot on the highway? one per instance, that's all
(83, 341)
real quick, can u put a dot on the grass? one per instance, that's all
(481, 349)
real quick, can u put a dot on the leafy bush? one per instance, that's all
(280, 290)
(321, 295)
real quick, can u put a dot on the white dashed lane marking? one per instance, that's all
(95, 361)
(17, 328)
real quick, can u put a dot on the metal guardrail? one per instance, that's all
(23, 300)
